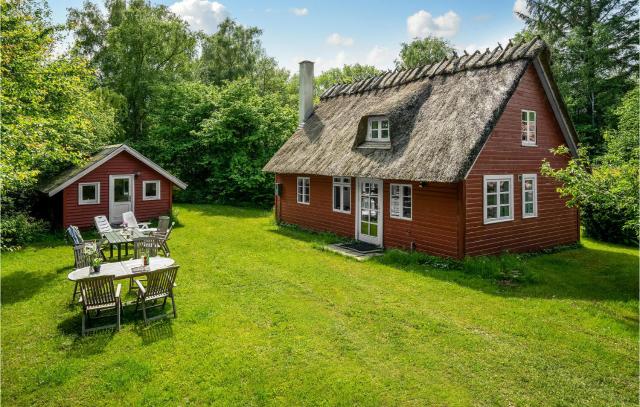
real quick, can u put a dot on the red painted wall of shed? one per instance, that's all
(504, 154)
(433, 228)
(122, 164)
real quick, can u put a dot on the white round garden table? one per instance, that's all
(121, 270)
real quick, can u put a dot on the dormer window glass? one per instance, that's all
(378, 129)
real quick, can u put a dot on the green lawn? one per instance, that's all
(267, 317)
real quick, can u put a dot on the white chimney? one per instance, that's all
(306, 91)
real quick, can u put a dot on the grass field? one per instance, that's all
(267, 317)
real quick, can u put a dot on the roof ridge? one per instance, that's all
(456, 63)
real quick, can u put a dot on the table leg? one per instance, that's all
(126, 249)
(119, 249)
(111, 250)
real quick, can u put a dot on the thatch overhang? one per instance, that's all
(440, 117)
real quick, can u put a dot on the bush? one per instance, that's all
(19, 229)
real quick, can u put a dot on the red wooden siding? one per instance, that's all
(433, 228)
(504, 154)
(122, 164)
(319, 214)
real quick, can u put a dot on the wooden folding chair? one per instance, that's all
(160, 285)
(99, 294)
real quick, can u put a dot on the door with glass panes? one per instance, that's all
(369, 211)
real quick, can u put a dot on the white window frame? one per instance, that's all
(497, 179)
(401, 195)
(342, 184)
(525, 126)
(88, 201)
(146, 197)
(298, 195)
(533, 177)
(379, 120)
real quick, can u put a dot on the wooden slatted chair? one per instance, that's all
(142, 245)
(160, 284)
(99, 294)
(163, 233)
(81, 259)
(74, 234)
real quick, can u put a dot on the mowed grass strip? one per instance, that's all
(266, 317)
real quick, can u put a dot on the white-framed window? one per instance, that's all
(529, 195)
(498, 198)
(342, 194)
(304, 190)
(150, 190)
(88, 193)
(378, 129)
(401, 201)
(528, 128)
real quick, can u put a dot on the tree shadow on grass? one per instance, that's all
(581, 274)
(225, 211)
(21, 285)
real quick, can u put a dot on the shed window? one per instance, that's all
(304, 190)
(151, 190)
(528, 128)
(498, 198)
(529, 196)
(378, 129)
(400, 207)
(342, 194)
(88, 193)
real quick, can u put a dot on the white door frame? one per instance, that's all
(367, 238)
(132, 192)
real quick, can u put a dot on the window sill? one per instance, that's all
(400, 218)
(89, 203)
(304, 203)
(529, 145)
(489, 222)
(375, 145)
(151, 198)
(529, 216)
(343, 212)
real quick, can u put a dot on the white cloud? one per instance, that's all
(337, 39)
(423, 23)
(520, 6)
(300, 11)
(381, 57)
(200, 14)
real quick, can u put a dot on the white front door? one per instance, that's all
(121, 189)
(369, 210)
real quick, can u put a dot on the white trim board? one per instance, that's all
(115, 152)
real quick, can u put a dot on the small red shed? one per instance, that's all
(115, 180)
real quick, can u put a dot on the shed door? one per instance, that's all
(121, 190)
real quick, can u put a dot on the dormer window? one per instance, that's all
(378, 129)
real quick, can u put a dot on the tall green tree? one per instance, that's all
(135, 47)
(423, 51)
(595, 52)
(51, 115)
(346, 74)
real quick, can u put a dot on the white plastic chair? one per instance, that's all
(102, 224)
(129, 219)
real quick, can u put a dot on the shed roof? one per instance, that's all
(440, 117)
(71, 175)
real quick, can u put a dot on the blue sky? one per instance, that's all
(333, 33)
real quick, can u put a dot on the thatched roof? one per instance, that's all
(440, 116)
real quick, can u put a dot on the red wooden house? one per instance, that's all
(115, 180)
(443, 158)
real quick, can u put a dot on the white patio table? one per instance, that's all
(121, 270)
